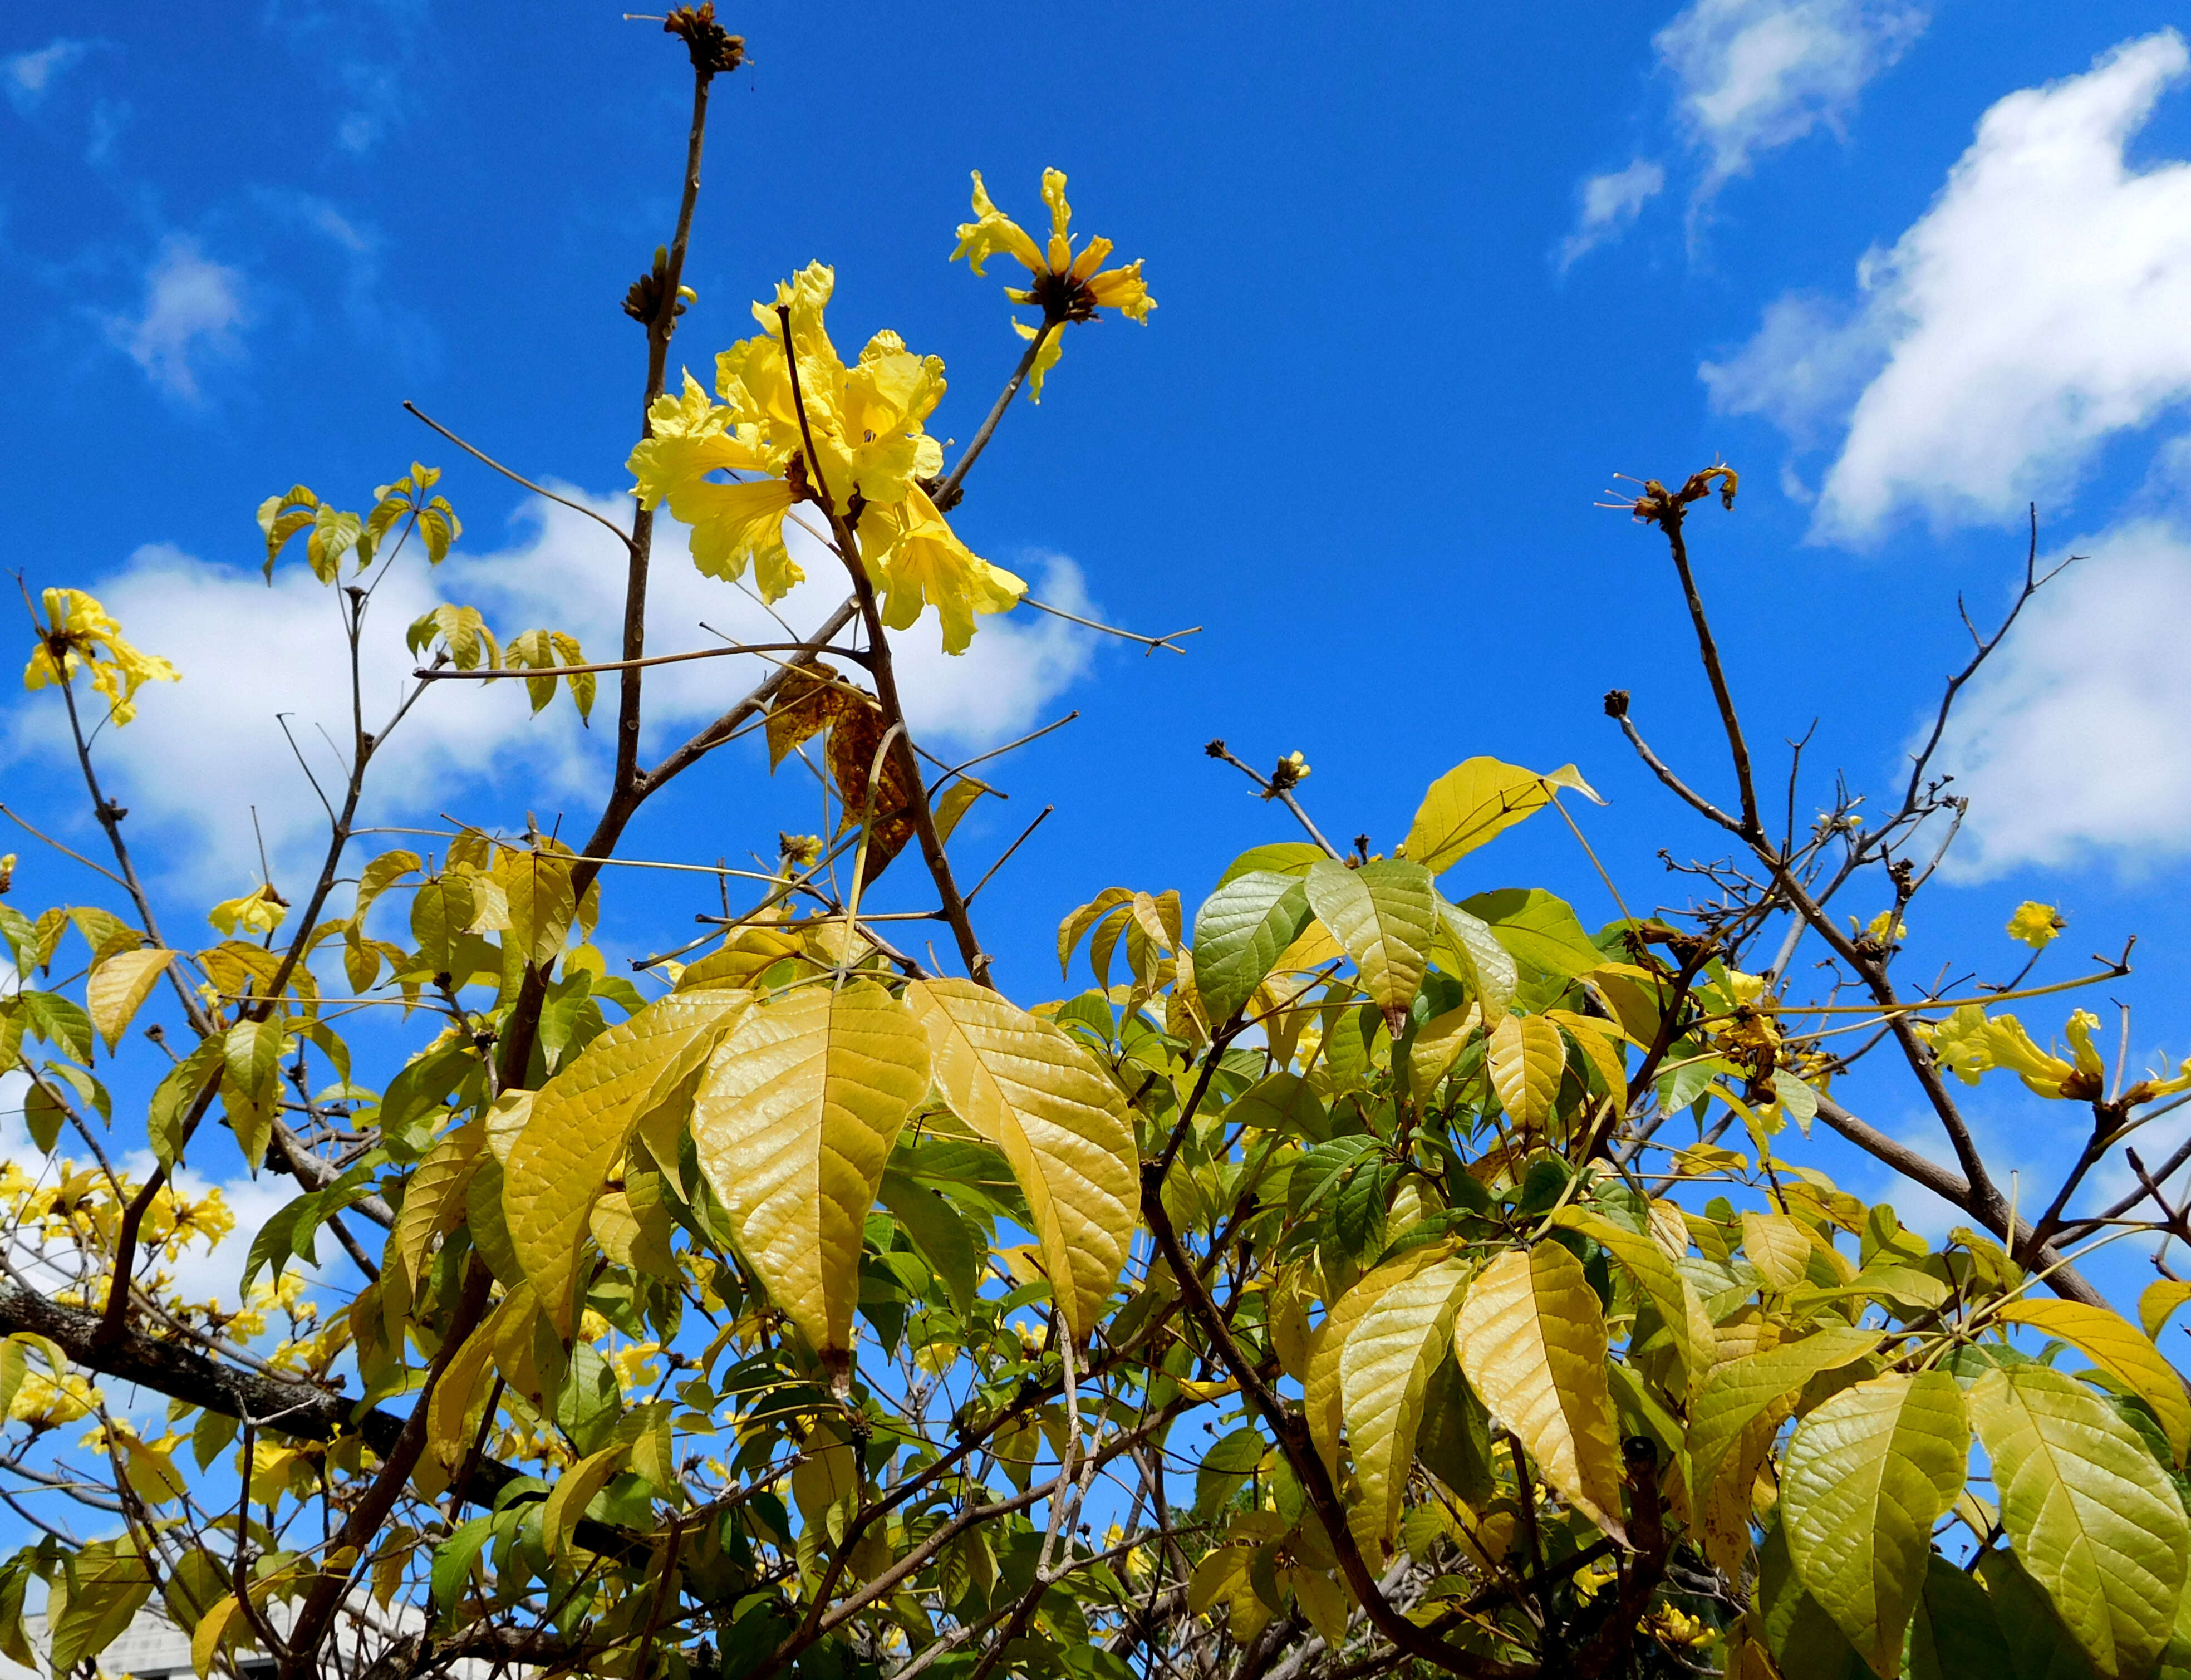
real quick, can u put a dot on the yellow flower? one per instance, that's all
(1970, 1042)
(913, 557)
(257, 912)
(2035, 924)
(79, 632)
(1064, 285)
(870, 455)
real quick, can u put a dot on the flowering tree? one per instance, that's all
(1322, 1292)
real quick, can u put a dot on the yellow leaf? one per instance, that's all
(1526, 1057)
(206, 1638)
(119, 987)
(1740, 1390)
(1323, 1602)
(2160, 1301)
(740, 960)
(1600, 1043)
(1532, 1342)
(1669, 1229)
(1674, 1296)
(582, 1120)
(434, 1199)
(1387, 1358)
(1474, 801)
(1322, 1399)
(826, 1473)
(1035, 1093)
(794, 1119)
(568, 1500)
(1777, 1246)
(1439, 1044)
(2114, 1345)
(449, 1422)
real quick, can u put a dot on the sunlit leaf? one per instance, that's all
(794, 1119)
(2091, 1515)
(1532, 1340)
(1865, 1478)
(1033, 1091)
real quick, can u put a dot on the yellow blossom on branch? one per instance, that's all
(865, 422)
(79, 633)
(2035, 924)
(259, 912)
(1067, 286)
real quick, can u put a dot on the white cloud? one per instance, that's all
(28, 75)
(205, 751)
(2040, 306)
(2071, 742)
(193, 310)
(1753, 74)
(1610, 204)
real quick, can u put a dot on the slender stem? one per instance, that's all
(1708, 648)
(949, 493)
(530, 673)
(641, 543)
(480, 455)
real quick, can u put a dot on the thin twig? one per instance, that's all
(515, 477)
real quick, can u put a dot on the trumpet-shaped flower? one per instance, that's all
(915, 557)
(850, 439)
(1065, 285)
(1971, 1042)
(79, 633)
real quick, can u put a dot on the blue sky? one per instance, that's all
(1428, 276)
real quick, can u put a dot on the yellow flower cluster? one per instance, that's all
(79, 633)
(1065, 286)
(869, 453)
(1971, 1042)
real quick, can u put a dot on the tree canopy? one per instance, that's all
(1355, 1269)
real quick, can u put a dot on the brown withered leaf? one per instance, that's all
(855, 733)
(806, 700)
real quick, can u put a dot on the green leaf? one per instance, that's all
(179, 1088)
(1385, 916)
(1954, 1634)
(1541, 930)
(1240, 931)
(102, 1589)
(2096, 1521)
(2040, 1647)
(939, 1233)
(1865, 1478)
(1805, 1643)
(452, 1569)
(1281, 857)
(1224, 1468)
